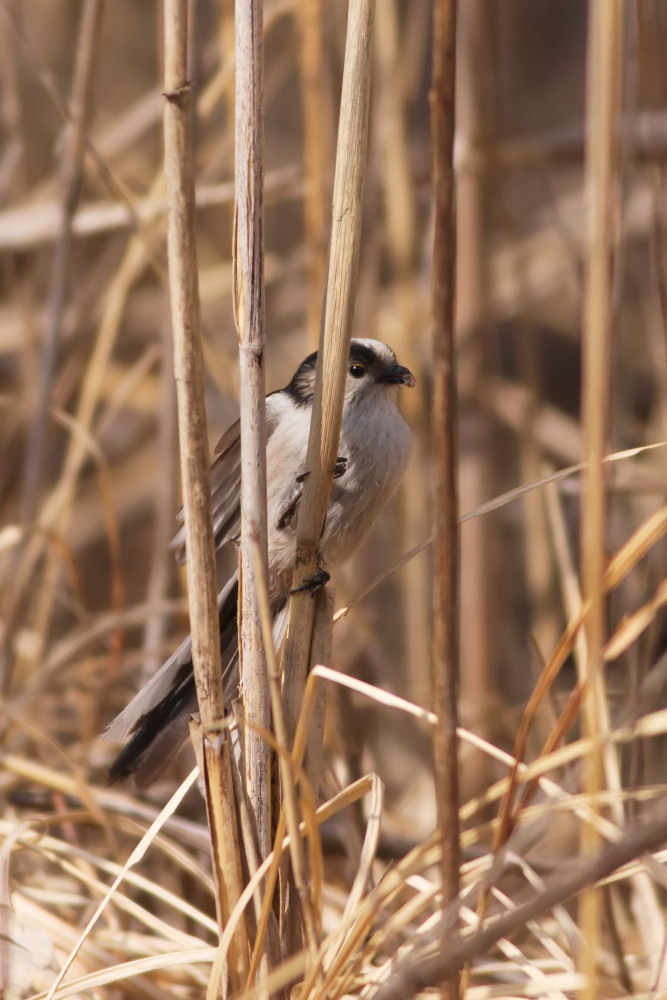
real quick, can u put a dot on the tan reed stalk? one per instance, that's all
(288, 777)
(332, 362)
(404, 325)
(210, 743)
(316, 144)
(249, 311)
(161, 572)
(604, 67)
(446, 595)
(472, 311)
(334, 342)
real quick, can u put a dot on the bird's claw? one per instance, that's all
(313, 583)
(340, 467)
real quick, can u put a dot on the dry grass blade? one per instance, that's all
(135, 857)
(422, 972)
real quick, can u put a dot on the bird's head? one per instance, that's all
(372, 367)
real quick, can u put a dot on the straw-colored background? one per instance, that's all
(90, 599)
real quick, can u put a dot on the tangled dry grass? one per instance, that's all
(106, 892)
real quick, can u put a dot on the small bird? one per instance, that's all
(375, 446)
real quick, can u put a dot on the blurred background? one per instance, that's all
(91, 601)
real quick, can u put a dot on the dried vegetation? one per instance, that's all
(563, 641)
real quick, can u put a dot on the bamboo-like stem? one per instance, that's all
(602, 98)
(334, 341)
(446, 595)
(249, 311)
(212, 749)
(315, 141)
(71, 173)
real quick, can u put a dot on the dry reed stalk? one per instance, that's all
(332, 362)
(288, 770)
(446, 595)
(320, 654)
(316, 144)
(405, 316)
(161, 561)
(249, 312)
(604, 68)
(71, 176)
(473, 310)
(212, 747)
(334, 342)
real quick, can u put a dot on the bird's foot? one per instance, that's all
(340, 467)
(313, 583)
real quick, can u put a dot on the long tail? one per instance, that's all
(157, 719)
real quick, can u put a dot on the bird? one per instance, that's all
(375, 447)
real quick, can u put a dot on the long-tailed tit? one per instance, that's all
(374, 450)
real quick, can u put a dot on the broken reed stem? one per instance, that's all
(602, 100)
(446, 596)
(71, 173)
(249, 310)
(212, 746)
(334, 348)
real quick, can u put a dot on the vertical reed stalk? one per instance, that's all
(211, 746)
(316, 143)
(334, 341)
(445, 452)
(249, 309)
(472, 311)
(332, 363)
(602, 100)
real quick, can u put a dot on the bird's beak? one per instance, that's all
(398, 375)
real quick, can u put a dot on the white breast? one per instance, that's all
(376, 442)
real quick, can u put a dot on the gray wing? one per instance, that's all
(226, 484)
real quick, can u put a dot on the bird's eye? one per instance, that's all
(357, 370)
